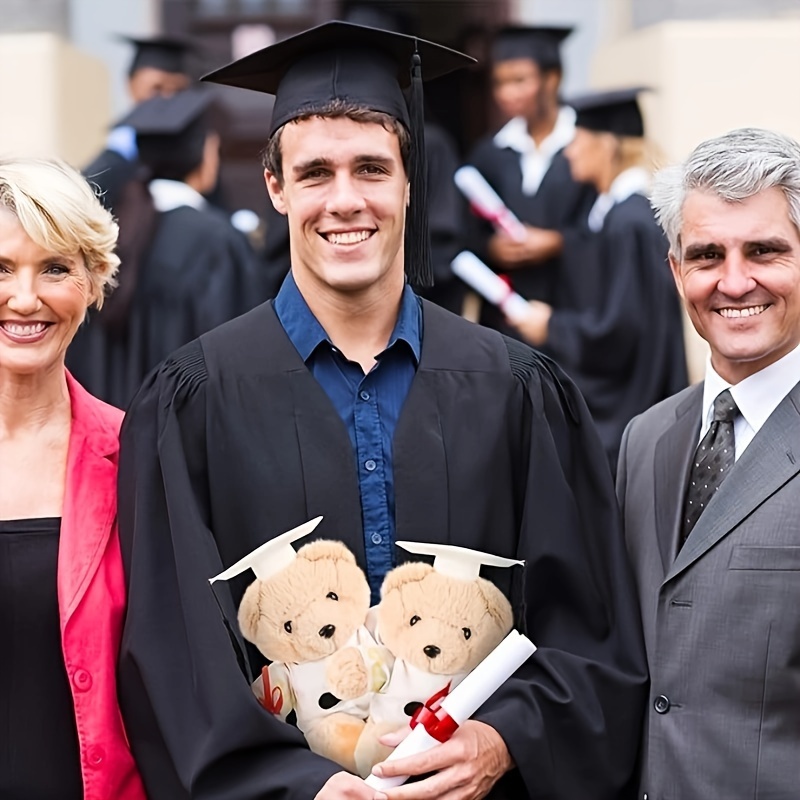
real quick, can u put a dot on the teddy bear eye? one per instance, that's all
(332, 596)
(467, 632)
(414, 620)
(287, 626)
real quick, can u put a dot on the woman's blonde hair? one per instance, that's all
(57, 208)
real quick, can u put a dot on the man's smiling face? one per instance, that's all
(739, 276)
(345, 192)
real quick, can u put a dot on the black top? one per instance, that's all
(39, 753)
(232, 441)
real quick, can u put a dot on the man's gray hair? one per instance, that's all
(733, 167)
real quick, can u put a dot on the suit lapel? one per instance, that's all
(672, 460)
(770, 460)
(90, 503)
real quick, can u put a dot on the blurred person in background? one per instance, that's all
(185, 268)
(625, 348)
(62, 589)
(525, 164)
(158, 69)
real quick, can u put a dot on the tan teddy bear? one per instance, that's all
(438, 627)
(308, 620)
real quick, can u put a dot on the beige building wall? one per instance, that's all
(55, 98)
(708, 77)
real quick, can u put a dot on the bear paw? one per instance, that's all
(346, 674)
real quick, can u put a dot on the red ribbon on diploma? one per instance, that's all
(273, 698)
(436, 721)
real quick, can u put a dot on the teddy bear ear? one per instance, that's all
(326, 550)
(411, 572)
(250, 611)
(497, 605)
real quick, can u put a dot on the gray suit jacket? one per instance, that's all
(722, 619)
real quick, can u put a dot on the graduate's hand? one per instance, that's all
(534, 326)
(465, 767)
(344, 786)
(539, 245)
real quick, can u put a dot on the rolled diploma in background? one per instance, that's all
(466, 698)
(487, 203)
(476, 274)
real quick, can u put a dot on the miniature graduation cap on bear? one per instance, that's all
(171, 132)
(614, 112)
(541, 44)
(165, 53)
(458, 562)
(364, 66)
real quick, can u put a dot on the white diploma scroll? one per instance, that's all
(465, 699)
(487, 203)
(486, 283)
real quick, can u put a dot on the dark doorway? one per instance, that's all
(460, 103)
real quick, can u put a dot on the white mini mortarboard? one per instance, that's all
(457, 562)
(272, 556)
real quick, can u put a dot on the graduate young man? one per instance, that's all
(349, 397)
(525, 164)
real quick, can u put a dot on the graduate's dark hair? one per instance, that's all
(173, 157)
(271, 155)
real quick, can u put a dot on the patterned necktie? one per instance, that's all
(712, 460)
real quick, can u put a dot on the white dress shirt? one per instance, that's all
(757, 396)
(535, 160)
(169, 195)
(635, 180)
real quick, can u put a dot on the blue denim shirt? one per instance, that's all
(368, 404)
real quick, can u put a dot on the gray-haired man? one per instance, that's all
(708, 483)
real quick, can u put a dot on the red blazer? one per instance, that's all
(91, 597)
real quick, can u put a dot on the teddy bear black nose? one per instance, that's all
(431, 651)
(327, 631)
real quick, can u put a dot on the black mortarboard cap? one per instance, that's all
(615, 111)
(540, 43)
(171, 132)
(161, 52)
(368, 67)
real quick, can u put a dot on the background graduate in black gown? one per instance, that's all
(464, 436)
(525, 164)
(625, 348)
(158, 68)
(185, 268)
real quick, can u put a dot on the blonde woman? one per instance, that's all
(624, 345)
(62, 592)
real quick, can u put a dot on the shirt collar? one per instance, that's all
(758, 395)
(635, 180)
(514, 134)
(169, 195)
(306, 334)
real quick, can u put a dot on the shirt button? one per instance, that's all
(661, 704)
(364, 395)
(370, 465)
(376, 538)
(95, 755)
(82, 680)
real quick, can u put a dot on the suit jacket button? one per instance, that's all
(661, 704)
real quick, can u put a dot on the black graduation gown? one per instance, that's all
(446, 214)
(560, 203)
(198, 272)
(625, 349)
(233, 441)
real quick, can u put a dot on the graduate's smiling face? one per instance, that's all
(345, 193)
(43, 300)
(738, 273)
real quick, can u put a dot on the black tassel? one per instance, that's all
(419, 269)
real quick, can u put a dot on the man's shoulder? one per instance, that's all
(651, 424)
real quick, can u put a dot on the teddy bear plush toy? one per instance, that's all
(438, 624)
(308, 620)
